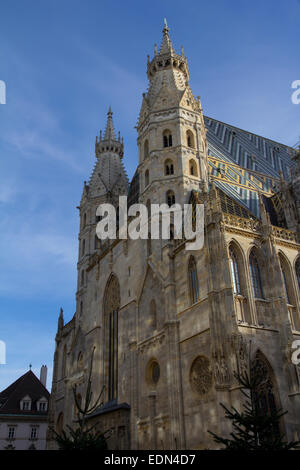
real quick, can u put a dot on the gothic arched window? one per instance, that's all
(169, 167)
(190, 139)
(289, 292)
(256, 277)
(265, 392)
(167, 138)
(111, 312)
(234, 267)
(193, 168)
(193, 280)
(284, 272)
(170, 198)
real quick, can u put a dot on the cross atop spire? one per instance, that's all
(110, 131)
(166, 45)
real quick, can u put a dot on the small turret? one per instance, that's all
(167, 57)
(60, 320)
(109, 143)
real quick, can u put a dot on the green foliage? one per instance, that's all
(79, 439)
(253, 430)
(83, 437)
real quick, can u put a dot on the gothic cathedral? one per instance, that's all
(169, 326)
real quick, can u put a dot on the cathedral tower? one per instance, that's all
(166, 326)
(108, 181)
(171, 132)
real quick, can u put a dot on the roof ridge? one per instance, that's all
(248, 132)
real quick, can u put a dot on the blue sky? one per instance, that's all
(64, 62)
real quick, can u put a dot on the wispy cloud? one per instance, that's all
(36, 263)
(34, 144)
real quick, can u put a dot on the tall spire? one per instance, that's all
(164, 64)
(166, 45)
(110, 131)
(109, 143)
(61, 319)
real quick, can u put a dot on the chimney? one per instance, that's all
(43, 375)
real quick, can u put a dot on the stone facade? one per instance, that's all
(170, 326)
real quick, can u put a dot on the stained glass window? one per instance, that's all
(256, 277)
(234, 272)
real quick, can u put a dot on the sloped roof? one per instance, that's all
(27, 384)
(229, 205)
(243, 164)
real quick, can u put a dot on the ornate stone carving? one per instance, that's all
(241, 353)
(261, 371)
(149, 343)
(221, 371)
(285, 234)
(242, 223)
(201, 375)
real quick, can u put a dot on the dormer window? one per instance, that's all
(42, 404)
(25, 404)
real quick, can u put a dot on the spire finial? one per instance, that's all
(30, 365)
(110, 131)
(166, 45)
(61, 319)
